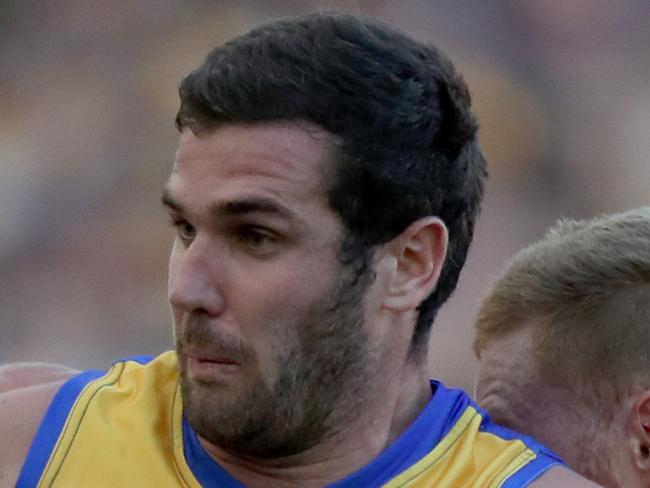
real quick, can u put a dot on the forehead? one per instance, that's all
(275, 153)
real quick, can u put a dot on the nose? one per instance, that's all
(194, 284)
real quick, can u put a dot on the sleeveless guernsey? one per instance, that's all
(125, 428)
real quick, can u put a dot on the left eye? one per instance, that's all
(255, 239)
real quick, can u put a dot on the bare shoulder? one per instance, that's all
(561, 477)
(21, 375)
(26, 390)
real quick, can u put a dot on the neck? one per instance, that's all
(393, 406)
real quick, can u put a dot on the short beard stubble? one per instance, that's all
(323, 370)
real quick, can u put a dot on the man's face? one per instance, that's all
(269, 326)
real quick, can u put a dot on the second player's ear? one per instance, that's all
(638, 432)
(419, 253)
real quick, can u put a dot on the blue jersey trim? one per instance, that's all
(51, 426)
(208, 473)
(545, 459)
(433, 423)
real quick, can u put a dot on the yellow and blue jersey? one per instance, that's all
(125, 427)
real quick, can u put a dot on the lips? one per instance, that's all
(215, 361)
(212, 359)
(208, 357)
(209, 366)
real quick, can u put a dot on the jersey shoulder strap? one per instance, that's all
(122, 427)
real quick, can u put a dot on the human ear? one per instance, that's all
(419, 254)
(638, 431)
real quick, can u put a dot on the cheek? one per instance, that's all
(266, 311)
(271, 312)
(174, 262)
(282, 290)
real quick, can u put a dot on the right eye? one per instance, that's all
(185, 231)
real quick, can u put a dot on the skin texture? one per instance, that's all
(263, 309)
(26, 392)
(282, 354)
(510, 387)
(277, 352)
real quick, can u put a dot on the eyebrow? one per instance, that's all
(247, 205)
(169, 201)
(244, 205)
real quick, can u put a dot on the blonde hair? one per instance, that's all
(586, 288)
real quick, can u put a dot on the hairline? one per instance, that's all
(571, 246)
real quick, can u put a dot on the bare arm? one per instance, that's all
(21, 375)
(25, 393)
(561, 477)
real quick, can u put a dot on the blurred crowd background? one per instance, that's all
(88, 90)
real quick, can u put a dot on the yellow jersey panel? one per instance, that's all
(125, 427)
(466, 457)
